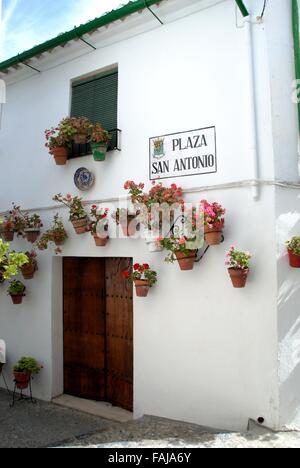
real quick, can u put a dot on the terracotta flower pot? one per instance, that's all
(28, 271)
(186, 262)
(129, 229)
(80, 139)
(17, 299)
(32, 235)
(213, 236)
(294, 259)
(8, 236)
(80, 225)
(142, 288)
(100, 241)
(22, 379)
(60, 156)
(238, 277)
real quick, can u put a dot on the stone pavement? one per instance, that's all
(43, 424)
(150, 432)
(49, 425)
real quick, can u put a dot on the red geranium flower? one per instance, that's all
(125, 274)
(146, 266)
(136, 266)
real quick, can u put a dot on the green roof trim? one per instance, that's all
(242, 8)
(107, 18)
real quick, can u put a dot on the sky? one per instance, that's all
(26, 23)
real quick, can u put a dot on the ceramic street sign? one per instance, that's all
(183, 154)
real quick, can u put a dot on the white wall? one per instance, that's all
(204, 352)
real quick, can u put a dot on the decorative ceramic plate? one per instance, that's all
(84, 179)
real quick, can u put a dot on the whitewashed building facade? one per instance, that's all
(203, 351)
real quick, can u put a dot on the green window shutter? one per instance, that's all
(97, 99)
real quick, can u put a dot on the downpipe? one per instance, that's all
(253, 146)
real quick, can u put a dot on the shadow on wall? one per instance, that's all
(288, 302)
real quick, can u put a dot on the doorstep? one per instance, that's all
(96, 408)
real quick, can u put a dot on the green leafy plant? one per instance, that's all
(98, 135)
(32, 259)
(72, 126)
(75, 205)
(16, 288)
(141, 272)
(22, 220)
(7, 224)
(13, 220)
(56, 138)
(157, 195)
(56, 234)
(238, 260)
(179, 244)
(27, 365)
(10, 261)
(33, 222)
(18, 219)
(294, 245)
(154, 205)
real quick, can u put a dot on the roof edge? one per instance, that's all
(107, 18)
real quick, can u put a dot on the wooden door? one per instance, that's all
(98, 330)
(119, 334)
(84, 328)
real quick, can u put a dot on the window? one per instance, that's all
(96, 99)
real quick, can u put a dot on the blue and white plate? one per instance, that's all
(84, 179)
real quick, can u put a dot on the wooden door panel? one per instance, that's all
(119, 334)
(84, 328)
(98, 330)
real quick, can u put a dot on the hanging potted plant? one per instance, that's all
(58, 144)
(78, 216)
(23, 371)
(143, 277)
(16, 291)
(10, 262)
(99, 225)
(18, 220)
(185, 239)
(56, 235)
(213, 214)
(76, 128)
(7, 228)
(238, 266)
(293, 247)
(127, 221)
(28, 270)
(182, 249)
(24, 224)
(33, 225)
(156, 209)
(99, 139)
